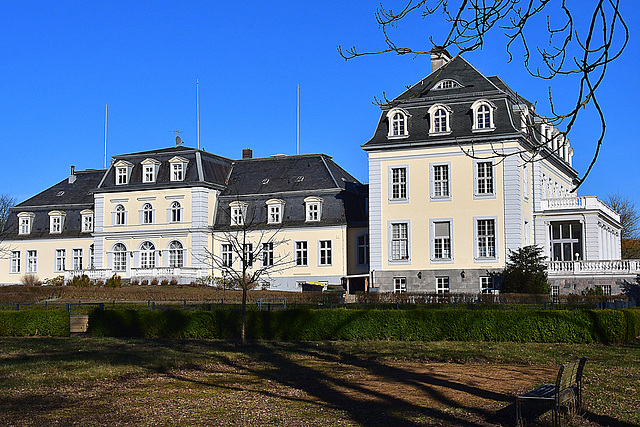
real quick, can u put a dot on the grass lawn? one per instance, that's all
(90, 381)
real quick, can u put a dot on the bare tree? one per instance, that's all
(630, 222)
(249, 254)
(6, 202)
(576, 48)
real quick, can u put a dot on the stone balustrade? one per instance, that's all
(594, 268)
(578, 203)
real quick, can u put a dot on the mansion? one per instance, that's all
(461, 170)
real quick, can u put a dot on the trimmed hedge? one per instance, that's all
(575, 326)
(27, 323)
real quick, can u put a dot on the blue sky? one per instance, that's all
(63, 61)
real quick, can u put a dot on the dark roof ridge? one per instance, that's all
(285, 156)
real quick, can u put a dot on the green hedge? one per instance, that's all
(575, 326)
(26, 323)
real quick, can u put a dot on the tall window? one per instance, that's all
(301, 253)
(483, 117)
(442, 285)
(176, 255)
(119, 257)
(55, 224)
(362, 249)
(120, 215)
(442, 240)
(397, 123)
(313, 209)
(484, 178)
(91, 256)
(25, 225)
(121, 175)
(15, 262)
(147, 255)
(566, 241)
(247, 254)
(77, 259)
(238, 215)
(176, 212)
(440, 121)
(325, 252)
(227, 254)
(399, 241)
(177, 172)
(399, 284)
(275, 215)
(87, 222)
(148, 173)
(61, 255)
(267, 254)
(147, 213)
(486, 238)
(398, 183)
(441, 181)
(32, 261)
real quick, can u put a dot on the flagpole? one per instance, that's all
(198, 112)
(105, 135)
(298, 121)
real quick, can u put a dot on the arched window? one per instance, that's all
(147, 255)
(147, 213)
(176, 254)
(483, 115)
(398, 123)
(120, 217)
(440, 119)
(119, 257)
(176, 212)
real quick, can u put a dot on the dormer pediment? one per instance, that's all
(123, 163)
(150, 161)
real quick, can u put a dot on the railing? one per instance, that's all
(167, 272)
(581, 203)
(625, 266)
(91, 273)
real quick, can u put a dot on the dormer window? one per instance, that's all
(123, 172)
(275, 211)
(313, 207)
(150, 170)
(56, 221)
(87, 220)
(398, 123)
(178, 168)
(440, 120)
(447, 84)
(238, 213)
(483, 116)
(25, 220)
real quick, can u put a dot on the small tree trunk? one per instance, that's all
(244, 315)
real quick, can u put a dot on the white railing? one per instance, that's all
(604, 267)
(578, 203)
(167, 272)
(91, 273)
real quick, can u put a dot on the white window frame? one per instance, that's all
(325, 253)
(398, 242)
(119, 215)
(435, 244)
(482, 182)
(399, 285)
(362, 250)
(119, 254)
(247, 254)
(226, 254)
(238, 213)
(147, 213)
(178, 169)
(487, 285)
(175, 212)
(275, 211)
(302, 253)
(14, 266)
(150, 171)
(398, 119)
(147, 254)
(25, 220)
(313, 209)
(32, 261)
(77, 258)
(122, 172)
(399, 184)
(176, 254)
(478, 240)
(436, 127)
(60, 260)
(267, 254)
(56, 222)
(442, 285)
(440, 187)
(486, 108)
(87, 221)
(447, 84)
(525, 181)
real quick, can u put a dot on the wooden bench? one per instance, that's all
(566, 391)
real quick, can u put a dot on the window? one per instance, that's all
(87, 221)
(77, 259)
(487, 285)
(484, 179)
(301, 254)
(527, 233)
(442, 285)
(606, 289)
(400, 242)
(447, 84)
(313, 207)
(15, 262)
(56, 222)
(555, 293)
(441, 248)
(362, 249)
(267, 254)
(439, 120)
(247, 254)
(275, 211)
(486, 238)
(176, 255)
(175, 212)
(150, 170)
(60, 261)
(238, 212)
(25, 222)
(178, 168)
(566, 241)
(525, 181)
(227, 254)
(399, 183)
(91, 256)
(147, 255)
(440, 182)
(325, 252)
(397, 123)
(32, 261)
(123, 172)
(399, 284)
(119, 257)
(483, 115)
(120, 215)
(147, 213)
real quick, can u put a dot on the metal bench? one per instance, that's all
(567, 391)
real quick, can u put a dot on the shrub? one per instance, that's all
(135, 282)
(145, 282)
(114, 282)
(56, 281)
(164, 282)
(80, 281)
(25, 323)
(205, 281)
(173, 282)
(30, 280)
(154, 281)
(100, 283)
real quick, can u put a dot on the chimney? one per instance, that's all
(247, 153)
(72, 177)
(439, 57)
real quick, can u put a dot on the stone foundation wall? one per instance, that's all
(424, 281)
